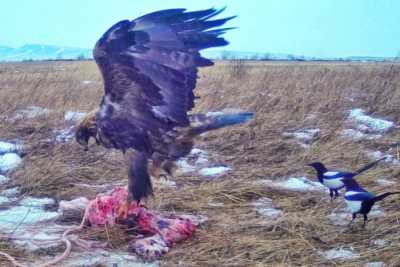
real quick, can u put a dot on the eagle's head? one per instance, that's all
(86, 129)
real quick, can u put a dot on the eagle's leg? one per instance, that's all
(139, 183)
(155, 169)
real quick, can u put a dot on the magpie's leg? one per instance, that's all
(331, 194)
(336, 193)
(352, 220)
(365, 220)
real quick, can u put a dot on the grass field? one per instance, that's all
(286, 97)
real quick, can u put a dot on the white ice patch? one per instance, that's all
(375, 264)
(9, 162)
(265, 207)
(341, 254)
(74, 115)
(4, 200)
(369, 123)
(6, 147)
(358, 135)
(378, 154)
(87, 82)
(184, 166)
(30, 112)
(74, 204)
(24, 214)
(380, 243)
(11, 192)
(101, 257)
(3, 179)
(385, 182)
(303, 136)
(64, 135)
(343, 216)
(214, 171)
(300, 184)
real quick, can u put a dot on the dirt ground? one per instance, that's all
(286, 97)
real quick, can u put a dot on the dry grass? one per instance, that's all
(285, 96)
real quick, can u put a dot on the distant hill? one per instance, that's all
(43, 52)
(228, 54)
(53, 52)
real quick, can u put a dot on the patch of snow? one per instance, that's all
(375, 264)
(87, 82)
(342, 216)
(6, 147)
(358, 135)
(368, 122)
(4, 200)
(30, 112)
(3, 179)
(24, 215)
(385, 182)
(266, 208)
(184, 166)
(166, 182)
(36, 202)
(9, 162)
(216, 204)
(341, 254)
(79, 203)
(380, 242)
(74, 115)
(378, 154)
(214, 113)
(201, 155)
(213, 171)
(100, 257)
(11, 192)
(65, 135)
(305, 136)
(195, 160)
(300, 184)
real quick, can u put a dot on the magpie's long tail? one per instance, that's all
(202, 123)
(369, 165)
(383, 196)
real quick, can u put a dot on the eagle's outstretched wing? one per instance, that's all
(149, 67)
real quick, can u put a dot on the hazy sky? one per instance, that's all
(304, 27)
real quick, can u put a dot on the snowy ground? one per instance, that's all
(266, 208)
(298, 184)
(342, 216)
(197, 162)
(303, 137)
(364, 126)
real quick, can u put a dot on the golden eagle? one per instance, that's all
(149, 68)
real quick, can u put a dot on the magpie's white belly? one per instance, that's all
(333, 183)
(354, 206)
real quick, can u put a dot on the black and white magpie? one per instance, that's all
(332, 179)
(359, 200)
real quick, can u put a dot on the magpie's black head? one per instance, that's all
(318, 166)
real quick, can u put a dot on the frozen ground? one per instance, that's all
(369, 123)
(342, 216)
(266, 208)
(365, 126)
(74, 115)
(299, 184)
(341, 254)
(197, 162)
(9, 159)
(303, 137)
(29, 112)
